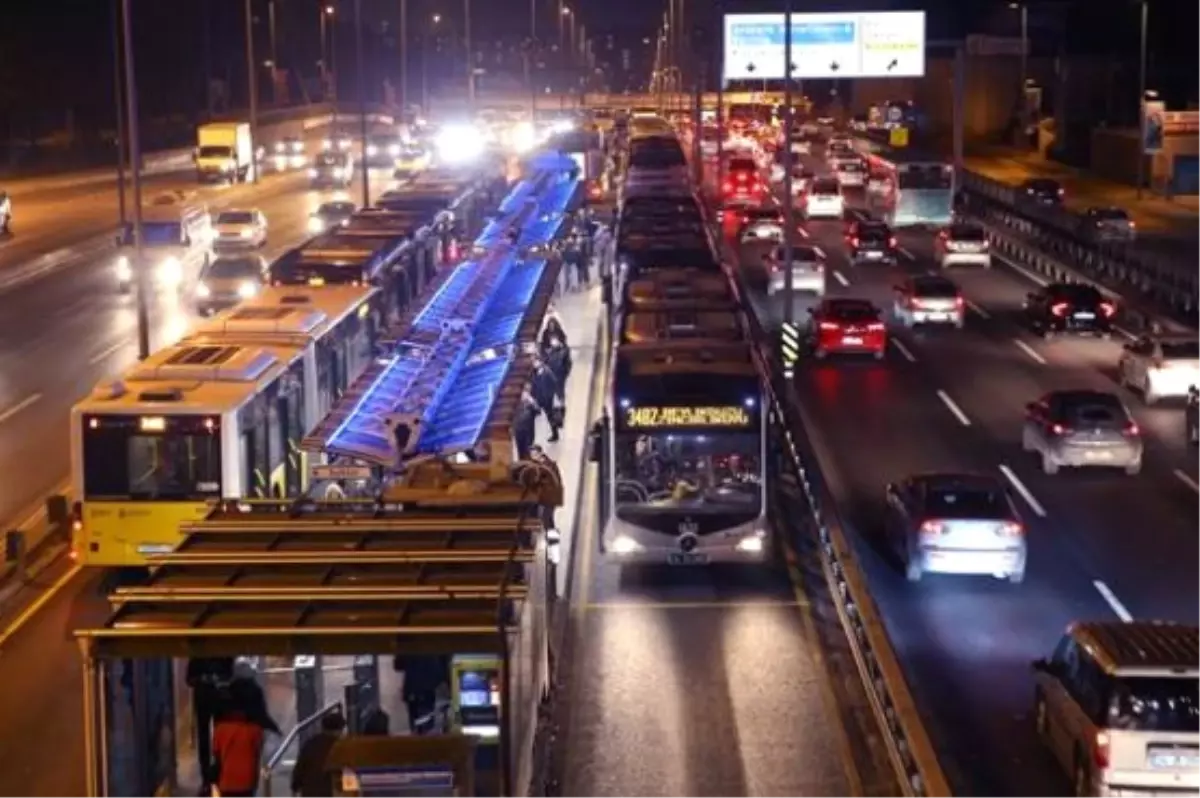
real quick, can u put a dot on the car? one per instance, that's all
(743, 181)
(329, 215)
(1108, 225)
(1042, 191)
(870, 241)
(1160, 366)
(1081, 428)
(846, 325)
(963, 244)
(955, 524)
(411, 161)
(228, 279)
(802, 178)
(332, 169)
(1070, 308)
(928, 299)
(764, 223)
(801, 143)
(289, 153)
(339, 142)
(808, 270)
(851, 173)
(382, 152)
(822, 199)
(5, 213)
(239, 228)
(1116, 705)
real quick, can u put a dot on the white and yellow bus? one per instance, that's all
(218, 415)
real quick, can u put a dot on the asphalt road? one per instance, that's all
(67, 332)
(710, 681)
(966, 642)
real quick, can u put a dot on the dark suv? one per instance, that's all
(871, 242)
(1043, 191)
(1070, 308)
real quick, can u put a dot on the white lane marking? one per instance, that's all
(108, 352)
(1106, 593)
(983, 314)
(19, 406)
(1020, 488)
(1186, 480)
(953, 407)
(902, 250)
(904, 350)
(803, 233)
(1124, 332)
(1029, 350)
(38, 603)
(841, 278)
(1042, 281)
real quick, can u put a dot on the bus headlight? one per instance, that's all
(372, 150)
(247, 289)
(203, 291)
(751, 545)
(624, 544)
(124, 270)
(170, 271)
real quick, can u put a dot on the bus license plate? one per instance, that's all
(690, 558)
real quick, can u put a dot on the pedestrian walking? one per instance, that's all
(207, 677)
(558, 360)
(237, 751)
(525, 425)
(545, 391)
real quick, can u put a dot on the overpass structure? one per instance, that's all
(442, 107)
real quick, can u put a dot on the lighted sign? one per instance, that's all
(657, 417)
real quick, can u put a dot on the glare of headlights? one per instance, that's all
(326, 144)
(247, 289)
(625, 545)
(203, 291)
(394, 150)
(124, 271)
(750, 545)
(459, 143)
(312, 172)
(372, 150)
(279, 146)
(246, 233)
(316, 224)
(170, 271)
(281, 162)
(524, 138)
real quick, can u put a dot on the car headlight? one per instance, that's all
(623, 544)
(246, 233)
(297, 146)
(279, 146)
(372, 150)
(312, 172)
(394, 150)
(203, 291)
(326, 144)
(316, 224)
(751, 545)
(247, 289)
(124, 270)
(170, 271)
(280, 162)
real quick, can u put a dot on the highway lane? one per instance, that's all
(965, 643)
(79, 332)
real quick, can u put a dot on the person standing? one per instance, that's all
(237, 752)
(525, 425)
(207, 677)
(558, 360)
(545, 390)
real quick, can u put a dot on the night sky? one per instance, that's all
(56, 54)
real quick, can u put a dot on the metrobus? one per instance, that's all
(682, 446)
(913, 189)
(218, 415)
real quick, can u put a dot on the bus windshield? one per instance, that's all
(661, 472)
(924, 176)
(170, 458)
(316, 273)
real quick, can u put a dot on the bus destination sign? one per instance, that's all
(652, 417)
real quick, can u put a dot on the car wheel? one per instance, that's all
(1135, 468)
(1048, 465)
(912, 570)
(1041, 721)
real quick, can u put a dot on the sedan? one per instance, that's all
(844, 325)
(955, 524)
(1082, 428)
(928, 299)
(1108, 225)
(228, 280)
(808, 270)
(240, 229)
(761, 224)
(1160, 366)
(329, 215)
(1043, 191)
(963, 244)
(1070, 308)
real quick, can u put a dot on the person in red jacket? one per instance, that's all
(237, 753)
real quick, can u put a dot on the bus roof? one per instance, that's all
(292, 312)
(688, 356)
(906, 157)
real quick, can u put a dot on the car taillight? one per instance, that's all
(1059, 308)
(1132, 225)
(741, 177)
(1010, 529)
(1059, 429)
(1108, 309)
(932, 529)
(959, 302)
(1132, 429)
(1061, 192)
(854, 241)
(1100, 750)
(830, 326)
(727, 187)
(892, 241)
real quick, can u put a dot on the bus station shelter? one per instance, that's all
(309, 579)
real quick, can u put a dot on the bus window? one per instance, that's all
(924, 176)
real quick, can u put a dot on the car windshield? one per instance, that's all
(927, 177)
(1181, 350)
(852, 311)
(1044, 186)
(850, 166)
(1110, 214)
(934, 287)
(1096, 412)
(155, 234)
(331, 159)
(1156, 705)
(873, 231)
(966, 232)
(1076, 294)
(230, 268)
(825, 185)
(212, 151)
(235, 217)
(975, 502)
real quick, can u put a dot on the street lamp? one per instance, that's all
(1141, 161)
(328, 45)
(252, 79)
(470, 57)
(135, 163)
(1023, 8)
(434, 21)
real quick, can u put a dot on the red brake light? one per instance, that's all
(830, 326)
(1133, 430)
(1010, 529)
(959, 302)
(741, 177)
(1108, 309)
(1100, 751)
(854, 241)
(1059, 308)
(892, 241)
(1059, 429)
(727, 186)
(932, 528)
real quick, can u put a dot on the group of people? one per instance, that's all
(585, 253)
(546, 393)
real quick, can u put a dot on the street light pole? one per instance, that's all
(324, 55)
(1141, 161)
(470, 58)
(403, 58)
(274, 52)
(252, 79)
(135, 160)
(789, 209)
(119, 96)
(362, 101)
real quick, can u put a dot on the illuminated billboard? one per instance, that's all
(877, 44)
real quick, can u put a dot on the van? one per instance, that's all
(1117, 704)
(176, 245)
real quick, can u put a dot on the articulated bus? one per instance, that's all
(219, 415)
(683, 445)
(909, 189)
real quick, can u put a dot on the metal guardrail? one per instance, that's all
(273, 762)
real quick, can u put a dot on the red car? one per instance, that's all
(841, 325)
(743, 182)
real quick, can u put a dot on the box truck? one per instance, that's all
(224, 152)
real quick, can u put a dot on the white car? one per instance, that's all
(762, 224)
(808, 270)
(928, 299)
(1160, 366)
(240, 229)
(823, 199)
(962, 244)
